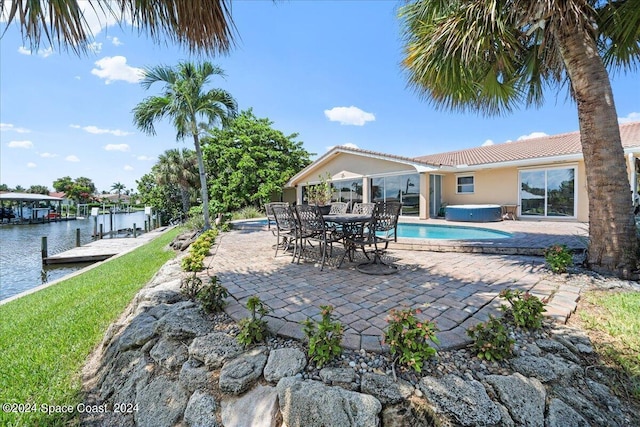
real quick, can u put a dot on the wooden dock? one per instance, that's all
(102, 249)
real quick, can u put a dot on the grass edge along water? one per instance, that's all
(46, 337)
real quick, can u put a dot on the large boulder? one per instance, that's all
(256, 408)
(184, 323)
(561, 415)
(284, 362)
(161, 403)
(214, 349)
(170, 354)
(460, 402)
(201, 410)
(313, 404)
(523, 397)
(240, 373)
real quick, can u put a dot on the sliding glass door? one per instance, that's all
(548, 192)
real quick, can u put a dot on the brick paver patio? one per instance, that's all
(456, 289)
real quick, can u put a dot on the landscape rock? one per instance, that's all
(240, 373)
(523, 397)
(161, 403)
(313, 404)
(385, 389)
(284, 362)
(532, 366)
(561, 415)
(256, 408)
(338, 376)
(466, 402)
(169, 353)
(214, 349)
(140, 330)
(201, 410)
(194, 375)
(184, 324)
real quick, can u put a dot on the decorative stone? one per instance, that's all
(237, 375)
(561, 415)
(284, 362)
(337, 376)
(201, 410)
(184, 324)
(523, 397)
(466, 402)
(161, 403)
(137, 333)
(169, 354)
(214, 349)
(313, 404)
(538, 367)
(194, 375)
(256, 408)
(385, 389)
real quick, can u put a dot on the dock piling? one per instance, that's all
(135, 231)
(44, 248)
(77, 237)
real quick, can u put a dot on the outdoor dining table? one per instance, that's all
(350, 225)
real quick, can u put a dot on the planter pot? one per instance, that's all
(325, 209)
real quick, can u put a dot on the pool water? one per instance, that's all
(425, 231)
(448, 232)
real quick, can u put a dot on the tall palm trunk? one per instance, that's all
(613, 243)
(203, 182)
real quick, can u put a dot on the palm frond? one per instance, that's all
(150, 110)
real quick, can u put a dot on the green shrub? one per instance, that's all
(526, 309)
(198, 251)
(212, 296)
(491, 340)
(190, 286)
(324, 337)
(558, 257)
(253, 329)
(247, 212)
(409, 338)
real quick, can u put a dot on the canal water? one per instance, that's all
(20, 248)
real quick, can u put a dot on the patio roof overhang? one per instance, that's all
(28, 197)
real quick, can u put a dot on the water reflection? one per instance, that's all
(20, 248)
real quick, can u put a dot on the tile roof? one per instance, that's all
(547, 146)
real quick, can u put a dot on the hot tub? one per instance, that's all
(473, 213)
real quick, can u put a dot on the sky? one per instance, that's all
(326, 70)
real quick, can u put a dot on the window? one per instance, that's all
(548, 192)
(402, 188)
(465, 184)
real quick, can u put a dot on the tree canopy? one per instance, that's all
(249, 160)
(81, 189)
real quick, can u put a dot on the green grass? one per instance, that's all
(617, 316)
(46, 337)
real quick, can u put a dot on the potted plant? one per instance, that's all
(320, 194)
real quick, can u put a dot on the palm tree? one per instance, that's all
(118, 187)
(490, 55)
(202, 25)
(185, 102)
(179, 168)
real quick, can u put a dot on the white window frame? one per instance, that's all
(466, 175)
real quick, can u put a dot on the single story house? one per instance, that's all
(540, 178)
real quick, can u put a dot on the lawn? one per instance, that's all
(614, 318)
(46, 337)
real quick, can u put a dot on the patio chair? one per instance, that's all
(269, 212)
(313, 228)
(338, 208)
(363, 208)
(380, 231)
(286, 228)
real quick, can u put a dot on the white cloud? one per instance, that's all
(116, 147)
(72, 158)
(349, 116)
(113, 68)
(41, 52)
(128, 168)
(487, 143)
(9, 126)
(31, 165)
(98, 131)
(95, 47)
(146, 158)
(531, 135)
(48, 155)
(116, 41)
(20, 144)
(631, 117)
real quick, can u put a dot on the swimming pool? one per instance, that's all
(419, 231)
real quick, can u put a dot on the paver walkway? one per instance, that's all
(455, 289)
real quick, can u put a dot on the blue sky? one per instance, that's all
(328, 71)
